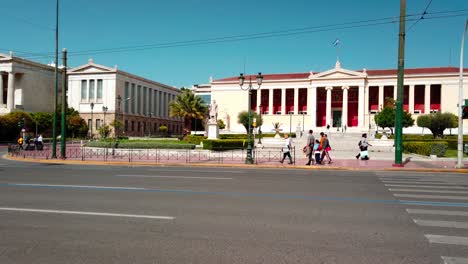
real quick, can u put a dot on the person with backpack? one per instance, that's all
(326, 148)
(363, 148)
(317, 151)
(310, 146)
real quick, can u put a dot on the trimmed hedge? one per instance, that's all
(224, 144)
(140, 145)
(426, 148)
(193, 139)
(244, 136)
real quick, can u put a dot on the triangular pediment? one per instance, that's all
(4, 56)
(338, 74)
(91, 67)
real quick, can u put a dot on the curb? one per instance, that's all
(301, 167)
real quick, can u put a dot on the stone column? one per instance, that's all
(361, 107)
(259, 100)
(381, 97)
(312, 105)
(427, 99)
(11, 91)
(296, 101)
(283, 101)
(395, 92)
(270, 101)
(411, 99)
(366, 104)
(329, 104)
(344, 113)
(1, 90)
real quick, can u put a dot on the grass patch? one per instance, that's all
(452, 153)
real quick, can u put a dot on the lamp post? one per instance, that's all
(249, 158)
(460, 104)
(92, 107)
(104, 109)
(260, 126)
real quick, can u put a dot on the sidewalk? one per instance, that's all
(341, 161)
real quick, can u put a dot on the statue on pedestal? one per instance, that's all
(213, 112)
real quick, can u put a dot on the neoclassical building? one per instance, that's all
(101, 94)
(26, 85)
(338, 97)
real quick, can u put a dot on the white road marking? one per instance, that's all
(77, 186)
(428, 186)
(85, 213)
(195, 170)
(452, 260)
(452, 240)
(413, 183)
(436, 212)
(428, 191)
(169, 177)
(450, 224)
(431, 196)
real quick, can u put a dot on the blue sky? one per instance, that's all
(102, 24)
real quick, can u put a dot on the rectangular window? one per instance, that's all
(144, 101)
(91, 90)
(84, 90)
(138, 127)
(90, 123)
(139, 100)
(98, 123)
(126, 126)
(99, 90)
(127, 94)
(133, 125)
(133, 100)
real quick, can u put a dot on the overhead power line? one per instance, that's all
(421, 17)
(262, 35)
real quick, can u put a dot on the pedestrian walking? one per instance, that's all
(363, 148)
(287, 149)
(326, 148)
(310, 146)
(317, 151)
(20, 142)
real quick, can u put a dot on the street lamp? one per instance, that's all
(92, 107)
(460, 104)
(249, 158)
(104, 109)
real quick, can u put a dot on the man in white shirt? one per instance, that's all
(287, 149)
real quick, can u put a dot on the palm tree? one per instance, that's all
(188, 106)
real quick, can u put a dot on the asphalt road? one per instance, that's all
(102, 214)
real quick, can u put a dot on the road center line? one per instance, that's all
(195, 170)
(74, 186)
(428, 186)
(85, 213)
(169, 177)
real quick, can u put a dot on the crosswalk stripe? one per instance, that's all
(436, 212)
(452, 240)
(428, 186)
(413, 182)
(452, 260)
(431, 196)
(428, 191)
(433, 223)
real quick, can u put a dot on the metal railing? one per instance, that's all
(108, 154)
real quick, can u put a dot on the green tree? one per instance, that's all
(438, 122)
(43, 121)
(243, 118)
(221, 124)
(188, 106)
(12, 123)
(386, 118)
(117, 125)
(104, 131)
(76, 126)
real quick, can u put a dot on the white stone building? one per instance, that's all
(338, 97)
(101, 94)
(26, 85)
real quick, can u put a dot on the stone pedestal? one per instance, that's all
(213, 130)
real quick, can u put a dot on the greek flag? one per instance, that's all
(336, 42)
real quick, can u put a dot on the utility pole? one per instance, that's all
(54, 125)
(400, 87)
(63, 142)
(461, 104)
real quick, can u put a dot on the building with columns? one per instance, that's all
(26, 85)
(337, 97)
(101, 94)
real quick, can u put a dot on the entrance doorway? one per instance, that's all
(336, 118)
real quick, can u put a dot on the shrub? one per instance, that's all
(439, 149)
(221, 124)
(438, 122)
(140, 145)
(386, 118)
(163, 129)
(194, 139)
(422, 147)
(224, 144)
